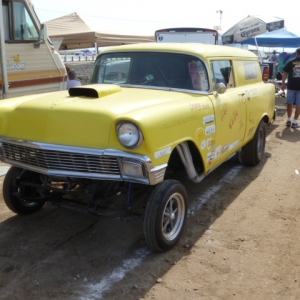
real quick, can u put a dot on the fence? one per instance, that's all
(70, 58)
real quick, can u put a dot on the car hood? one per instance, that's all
(83, 116)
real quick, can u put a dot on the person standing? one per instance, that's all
(273, 57)
(72, 80)
(292, 71)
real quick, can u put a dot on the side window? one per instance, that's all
(18, 23)
(24, 28)
(222, 71)
(5, 20)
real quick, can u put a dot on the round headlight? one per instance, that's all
(128, 134)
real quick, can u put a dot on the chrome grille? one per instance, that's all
(61, 160)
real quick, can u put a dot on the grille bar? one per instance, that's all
(60, 160)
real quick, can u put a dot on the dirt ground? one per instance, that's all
(241, 240)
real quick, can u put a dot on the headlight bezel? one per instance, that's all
(139, 135)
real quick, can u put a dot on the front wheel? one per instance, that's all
(165, 215)
(252, 153)
(15, 194)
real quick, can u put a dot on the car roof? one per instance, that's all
(205, 50)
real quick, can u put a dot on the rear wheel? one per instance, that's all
(254, 151)
(165, 215)
(15, 194)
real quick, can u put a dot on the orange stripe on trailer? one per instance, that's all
(34, 82)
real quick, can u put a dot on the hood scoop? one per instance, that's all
(94, 91)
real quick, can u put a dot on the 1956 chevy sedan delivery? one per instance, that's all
(149, 109)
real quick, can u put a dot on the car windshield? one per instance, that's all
(166, 70)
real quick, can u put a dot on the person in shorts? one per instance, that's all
(292, 71)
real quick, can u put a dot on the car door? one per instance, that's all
(230, 111)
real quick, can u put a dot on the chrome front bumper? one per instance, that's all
(67, 161)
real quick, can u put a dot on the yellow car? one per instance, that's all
(149, 109)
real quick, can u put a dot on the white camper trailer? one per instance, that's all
(29, 64)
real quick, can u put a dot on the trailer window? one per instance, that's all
(24, 28)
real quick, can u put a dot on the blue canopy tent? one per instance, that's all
(279, 38)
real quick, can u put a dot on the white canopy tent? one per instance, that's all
(76, 32)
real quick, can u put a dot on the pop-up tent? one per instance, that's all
(76, 32)
(279, 38)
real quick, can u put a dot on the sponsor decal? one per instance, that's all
(203, 144)
(251, 118)
(233, 118)
(225, 148)
(211, 143)
(208, 119)
(223, 111)
(179, 122)
(233, 145)
(210, 155)
(210, 129)
(251, 131)
(195, 105)
(205, 106)
(198, 106)
(162, 152)
(218, 151)
(199, 134)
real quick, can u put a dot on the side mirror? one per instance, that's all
(220, 88)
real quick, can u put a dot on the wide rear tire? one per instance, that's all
(252, 153)
(165, 215)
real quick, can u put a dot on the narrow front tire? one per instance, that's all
(165, 215)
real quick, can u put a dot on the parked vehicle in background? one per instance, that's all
(79, 53)
(187, 35)
(149, 111)
(88, 52)
(29, 64)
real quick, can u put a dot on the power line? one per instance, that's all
(106, 18)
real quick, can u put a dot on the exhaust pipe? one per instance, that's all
(186, 158)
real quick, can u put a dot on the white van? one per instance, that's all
(29, 62)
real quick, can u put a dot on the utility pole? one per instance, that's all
(221, 12)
